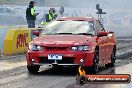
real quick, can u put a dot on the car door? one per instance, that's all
(109, 45)
(102, 43)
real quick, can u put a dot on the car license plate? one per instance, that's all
(54, 57)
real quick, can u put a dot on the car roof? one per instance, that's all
(76, 19)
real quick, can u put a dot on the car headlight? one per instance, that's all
(35, 47)
(80, 48)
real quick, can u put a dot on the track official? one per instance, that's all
(31, 15)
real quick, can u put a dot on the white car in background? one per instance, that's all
(9, 15)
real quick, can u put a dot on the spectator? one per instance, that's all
(49, 17)
(61, 11)
(31, 15)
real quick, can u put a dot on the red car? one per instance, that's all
(72, 41)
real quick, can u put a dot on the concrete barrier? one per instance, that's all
(2, 36)
(16, 41)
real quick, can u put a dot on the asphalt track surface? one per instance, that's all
(13, 72)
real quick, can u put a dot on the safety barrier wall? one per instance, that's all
(3, 30)
(12, 35)
(2, 36)
(16, 41)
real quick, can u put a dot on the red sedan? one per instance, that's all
(72, 41)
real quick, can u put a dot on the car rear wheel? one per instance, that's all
(33, 69)
(113, 58)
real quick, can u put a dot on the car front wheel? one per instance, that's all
(33, 69)
(95, 67)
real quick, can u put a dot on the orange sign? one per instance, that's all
(104, 78)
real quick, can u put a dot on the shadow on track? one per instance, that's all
(55, 71)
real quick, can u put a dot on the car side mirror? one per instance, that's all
(111, 32)
(36, 32)
(102, 33)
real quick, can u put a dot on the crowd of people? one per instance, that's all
(31, 14)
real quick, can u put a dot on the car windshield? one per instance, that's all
(69, 27)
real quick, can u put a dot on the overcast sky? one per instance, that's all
(120, 4)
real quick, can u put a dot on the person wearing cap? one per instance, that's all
(54, 13)
(61, 11)
(50, 16)
(31, 15)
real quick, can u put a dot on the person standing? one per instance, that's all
(61, 11)
(31, 15)
(54, 13)
(49, 17)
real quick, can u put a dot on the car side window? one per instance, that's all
(1, 10)
(91, 27)
(8, 11)
(99, 27)
(102, 28)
